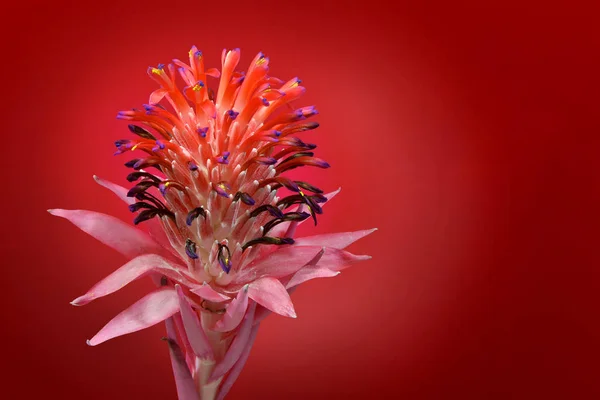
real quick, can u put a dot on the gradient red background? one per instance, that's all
(464, 133)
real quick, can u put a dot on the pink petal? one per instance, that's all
(134, 269)
(237, 347)
(239, 365)
(150, 310)
(234, 313)
(124, 238)
(207, 292)
(335, 240)
(193, 328)
(120, 191)
(281, 262)
(270, 293)
(186, 387)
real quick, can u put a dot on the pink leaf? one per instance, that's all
(335, 240)
(190, 357)
(193, 328)
(234, 312)
(239, 365)
(237, 346)
(124, 238)
(134, 269)
(270, 293)
(150, 310)
(186, 387)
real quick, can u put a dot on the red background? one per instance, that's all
(464, 133)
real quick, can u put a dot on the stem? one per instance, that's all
(208, 390)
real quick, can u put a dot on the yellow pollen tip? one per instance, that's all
(157, 71)
(135, 147)
(196, 87)
(261, 61)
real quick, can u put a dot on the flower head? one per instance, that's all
(210, 183)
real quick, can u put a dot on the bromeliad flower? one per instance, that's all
(220, 217)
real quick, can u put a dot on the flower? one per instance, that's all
(220, 217)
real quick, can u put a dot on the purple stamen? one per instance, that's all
(224, 260)
(122, 142)
(310, 112)
(195, 213)
(202, 131)
(232, 114)
(131, 163)
(190, 249)
(162, 188)
(220, 188)
(223, 159)
(266, 160)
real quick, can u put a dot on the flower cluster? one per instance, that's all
(219, 216)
